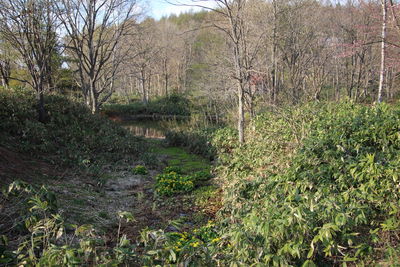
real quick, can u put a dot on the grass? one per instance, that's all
(178, 157)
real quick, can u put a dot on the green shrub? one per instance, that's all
(175, 169)
(314, 184)
(135, 108)
(173, 105)
(150, 159)
(194, 248)
(225, 140)
(139, 170)
(204, 194)
(171, 183)
(194, 140)
(72, 135)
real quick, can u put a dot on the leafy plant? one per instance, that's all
(314, 185)
(172, 183)
(72, 135)
(139, 170)
(7, 257)
(173, 105)
(46, 242)
(194, 248)
(175, 169)
(194, 140)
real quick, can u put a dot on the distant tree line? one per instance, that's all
(243, 55)
(260, 54)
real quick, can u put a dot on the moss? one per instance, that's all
(187, 162)
(192, 166)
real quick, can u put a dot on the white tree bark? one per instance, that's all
(383, 51)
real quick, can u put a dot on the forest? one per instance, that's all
(249, 133)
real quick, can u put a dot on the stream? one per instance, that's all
(147, 129)
(121, 190)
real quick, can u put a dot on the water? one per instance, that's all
(147, 129)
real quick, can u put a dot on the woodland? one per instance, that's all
(250, 133)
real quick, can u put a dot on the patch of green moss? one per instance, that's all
(187, 162)
(192, 166)
(174, 162)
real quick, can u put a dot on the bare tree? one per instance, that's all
(94, 30)
(30, 27)
(142, 53)
(234, 13)
(235, 25)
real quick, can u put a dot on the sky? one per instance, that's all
(160, 8)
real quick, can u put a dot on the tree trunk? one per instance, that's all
(383, 51)
(241, 112)
(143, 84)
(274, 60)
(4, 82)
(5, 71)
(41, 109)
(93, 99)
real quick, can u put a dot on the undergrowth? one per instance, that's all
(71, 135)
(173, 105)
(47, 240)
(314, 185)
(197, 141)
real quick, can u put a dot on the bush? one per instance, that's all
(46, 240)
(314, 184)
(168, 184)
(175, 169)
(15, 108)
(72, 135)
(139, 170)
(201, 176)
(173, 105)
(193, 248)
(136, 108)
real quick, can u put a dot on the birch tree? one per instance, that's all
(383, 51)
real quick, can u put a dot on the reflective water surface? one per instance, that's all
(147, 129)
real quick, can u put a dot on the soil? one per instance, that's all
(17, 166)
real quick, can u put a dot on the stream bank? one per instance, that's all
(95, 200)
